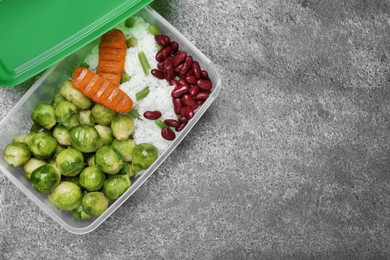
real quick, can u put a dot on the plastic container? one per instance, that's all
(18, 121)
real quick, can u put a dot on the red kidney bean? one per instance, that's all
(191, 79)
(169, 71)
(177, 104)
(187, 65)
(174, 46)
(196, 69)
(160, 65)
(168, 134)
(174, 83)
(162, 40)
(163, 54)
(187, 112)
(181, 126)
(178, 92)
(201, 95)
(189, 101)
(182, 119)
(179, 58)
(152, 115)
(204, 84)
(158, 73)
(200, 102)
(190, 73)
(178, 68)
(194, 89)
(183, 82)
(169, 74)
(168, 63)
(172, 122)
(205, 75)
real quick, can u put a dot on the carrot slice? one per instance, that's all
(112, 54)
(101, 90)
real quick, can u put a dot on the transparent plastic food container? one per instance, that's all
(18, 121)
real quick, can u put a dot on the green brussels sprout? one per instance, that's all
(74, 179)
(62, 135)
(102, 114)
(45, 178)
(67, 114)
(31, 165)
(124, 148)
(86, 117)
(136, 168)
(16, 154)
(79, 213)
(92, 179)
(75, 96)
(22, 138)
(127, 170)
(56, 100)
(66, 196)
(94, 203)
(122, 127)
(91, 160)
(84, 138)
(105, 134)
(43, 115)
(70, 162)
(107, 160)
(115, 186)
(144, 155)
(42, 145)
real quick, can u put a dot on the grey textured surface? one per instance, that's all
(291, 161)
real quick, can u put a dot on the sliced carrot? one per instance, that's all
(101, 90)
(112, 54)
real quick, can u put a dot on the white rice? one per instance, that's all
(159, 97)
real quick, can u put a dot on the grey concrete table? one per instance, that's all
(291, 161)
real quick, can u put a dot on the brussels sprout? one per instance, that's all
(22, 138)
(43, 115)
(86, 117)
(84, 138)
(70, 162)
(62, 135)
(79, 213)
(136, 168)
(56, 100)
(31, 165)
(94, 203)
(45, 178)
(92, 179)
(66, 196)
(91, 160)
(107, 160)
(102, 114)
(122, 127)
(144, 155)
(105, 134)
(115, 186)
(73, 179)
(75, 96)
(124, 148)
(16, 154)
(127, 170)
(67, 114)
(42, 145)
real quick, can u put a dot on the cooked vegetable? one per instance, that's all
(16, 154)
(84, 138)
(70, 162)
(112, 54)
(105, 134)
(115, 186)
(67, 114)
(92, 179)
(101, 90)
(42, 145)
(86, 118)
(43, 115)
(135, 114)
(102, 114)
(144, 155)
(108, 160)
(66, 196)
(160, 123)
(153, 29)
(79, 213)
(74, 179)
(125, 77)
(45, 178)
(31, 165)
(91, 160)
(94, 203)
(22, 138)
(131, 42)
(144, 62)
(142, 94)
(127, 170)
(122, 127)
(124, 148)
(56, 100)
(75, 96)
(130, 22)
(62, 135)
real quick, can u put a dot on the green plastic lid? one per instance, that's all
(36, 34)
